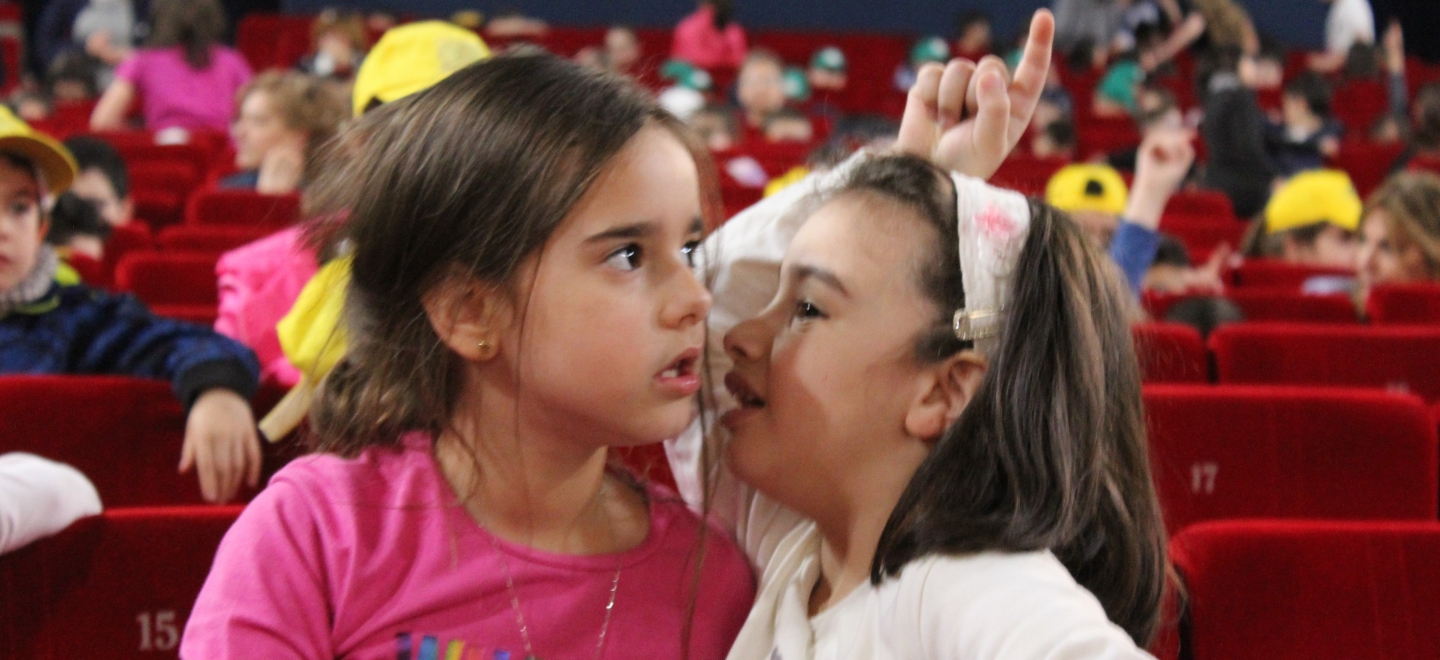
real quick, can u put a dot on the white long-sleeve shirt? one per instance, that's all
(1348, 23)
(978, 606)
(39, 497)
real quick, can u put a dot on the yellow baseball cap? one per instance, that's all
(53, 160)
(1086, 187)
(1312, 197)
(413, 57)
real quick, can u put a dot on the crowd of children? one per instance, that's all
(516, 264)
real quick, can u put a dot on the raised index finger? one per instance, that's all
(1034, 66)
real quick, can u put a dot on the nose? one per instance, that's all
(690, 302)
(749, 341)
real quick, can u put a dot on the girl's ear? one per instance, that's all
(466, 316)
(947, 389)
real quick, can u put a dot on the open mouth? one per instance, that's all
(683, 366)
(742, 391)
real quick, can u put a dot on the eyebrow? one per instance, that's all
(804, 272)
(640, 230)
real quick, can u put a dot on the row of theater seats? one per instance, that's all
(128, 578)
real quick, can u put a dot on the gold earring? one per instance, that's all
(484, 346)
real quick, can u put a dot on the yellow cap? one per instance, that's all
(413, 57)
(1312, 197)
(1086, 187)
(53, 160)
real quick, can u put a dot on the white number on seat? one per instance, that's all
(1202, 477)
(158, 631)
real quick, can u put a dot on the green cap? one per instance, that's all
(930, 49)
(829, 58)
(685, 74)
(797, 84)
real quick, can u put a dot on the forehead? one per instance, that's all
(16, 178)
(651, 179)
(871, 242)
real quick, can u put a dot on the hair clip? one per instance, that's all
(965, 327)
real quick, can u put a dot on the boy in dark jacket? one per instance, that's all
(50, 328)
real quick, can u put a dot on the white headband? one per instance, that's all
(994, 224)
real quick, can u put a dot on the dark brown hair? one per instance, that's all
(1051, 451)
(194, 25)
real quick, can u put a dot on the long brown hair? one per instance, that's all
(304, 103)
(194, 25)
(1050, 453)
(1411, 203)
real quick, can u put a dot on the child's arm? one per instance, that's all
(211, 374)
(1162, 163)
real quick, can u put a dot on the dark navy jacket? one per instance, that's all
(79, 330)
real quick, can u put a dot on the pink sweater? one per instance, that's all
(698, 42)
(373, 558)
(258, 285)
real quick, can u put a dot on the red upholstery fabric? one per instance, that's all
(1359, 104)
(1367, 163)
(1283, 590)
(242, 208)
(1171, 353)
(169, 278)
(1405, 304)
(123, 433)
(1260, 304)
(1396, 358)
(1275, 273)
(117, 585)
(158, 208)
(1288, 452)
(198, 314)
(1202, 233)
(208, 239)
(124, 239)
(1027, 174)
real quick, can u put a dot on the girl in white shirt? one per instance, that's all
(936, 415)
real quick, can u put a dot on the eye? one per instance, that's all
(21, 208)
(689, 252)
(807, 311)
(626, 258)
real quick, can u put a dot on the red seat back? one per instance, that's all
(1171, 353)
(1398, 304)
(1201, 234)
(1027, 174)
(1274, 273)
(1367, 163)
(1287, 452)
(208, 239)
(117, 585)
(169, 278)
(242, 208)
(1260, 304)
(1396, 358)
(1311, 589)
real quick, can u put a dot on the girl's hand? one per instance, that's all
(222, 445)
(967, 118)
(1162, 163)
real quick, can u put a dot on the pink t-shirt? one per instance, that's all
(698, 42)
(176, 95)
(372, 558)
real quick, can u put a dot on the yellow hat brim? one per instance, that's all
(52, 158)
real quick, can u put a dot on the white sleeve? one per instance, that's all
(39, 497)
(742, 261)
(1016, 606)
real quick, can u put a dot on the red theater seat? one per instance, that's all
(1293, 590)
(208, 239)
(118, 585)
(1399, 304)
(1027, 174)
(1273, 273)
(1205, 203)
(242, 208)
(1291, 452)
(1367, 163)
(1170, 353)
(1260, 304)
(1395, 358)
(169, 278)
(1359, 104)
(125, 434)
(1202, 234)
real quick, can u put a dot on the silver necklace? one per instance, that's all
(520, 614)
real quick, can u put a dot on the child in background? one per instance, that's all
(1234, 132)
(185, 77)
(338, 41)
(284, 118)
(710, 38)
(40, 497)
(1094, 196)
(521, 298)
(1057, 140)
(76, 228)
(1307, 135)
(1400, 236)
(622, 51)
(930, 50)
(789, 125)
(760, 89)
(259, 282)
(716, 126)
(1310, 221)
(828, 75)
(104, 179)
(50, 328)
(1157, 111)
(973, 35)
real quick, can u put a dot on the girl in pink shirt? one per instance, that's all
(522, 298)
(710, 38)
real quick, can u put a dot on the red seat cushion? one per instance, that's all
(1274, 273)
(169, 278)
(208, 239)
(1171, 353)
(1311, 589)
(242, 208)
(1402, 358)
(1289, 452)
(117, 585)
